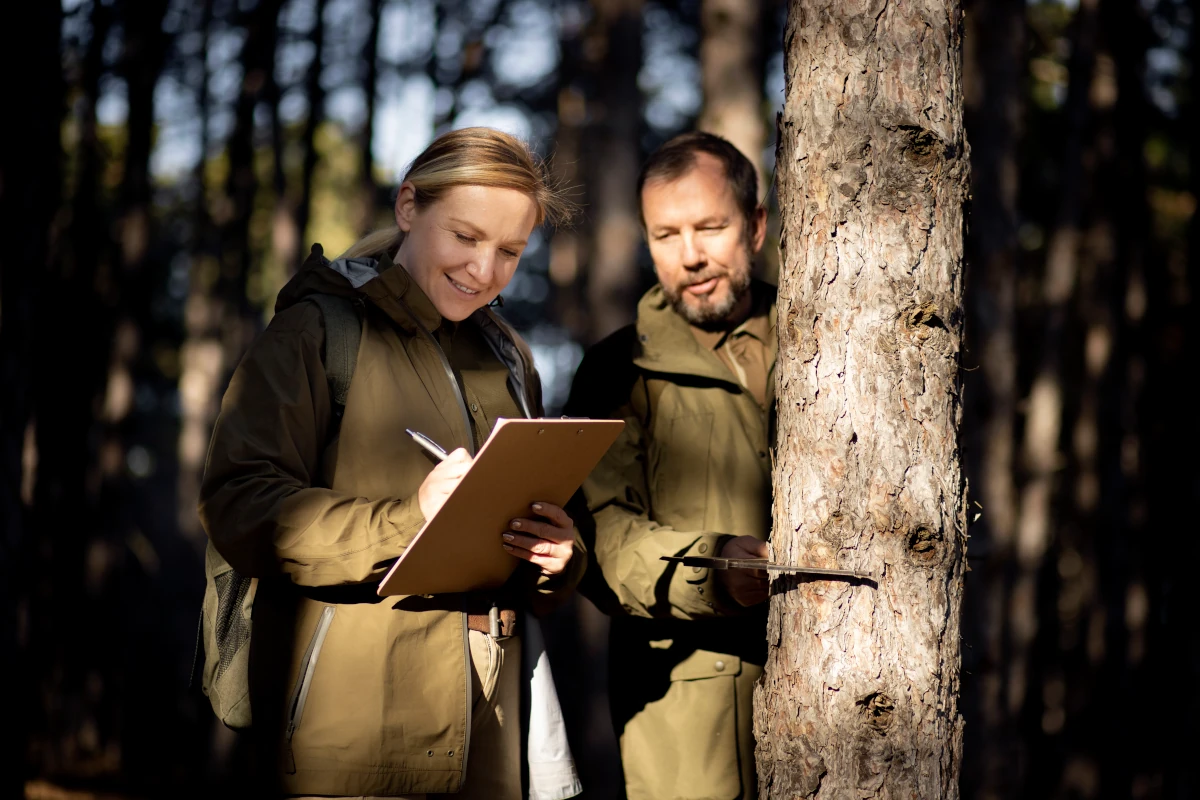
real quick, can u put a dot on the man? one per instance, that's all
(690, 475)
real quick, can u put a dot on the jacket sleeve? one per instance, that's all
(629, 545)
(260, 503)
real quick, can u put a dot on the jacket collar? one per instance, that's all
(666, 343)
(395, 293)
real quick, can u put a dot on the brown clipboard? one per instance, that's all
(523, 461)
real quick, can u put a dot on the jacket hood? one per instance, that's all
(390, 288)
(319, 275)
(377, 280)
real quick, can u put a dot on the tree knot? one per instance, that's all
(926, 546)
(877, 710)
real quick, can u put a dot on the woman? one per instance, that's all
(352, 694)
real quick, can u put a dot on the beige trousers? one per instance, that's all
(494, 760)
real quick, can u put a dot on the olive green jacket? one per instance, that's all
(690, 470)
(354, 694)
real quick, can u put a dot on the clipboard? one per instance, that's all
(522, 462)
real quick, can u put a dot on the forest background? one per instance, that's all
(167, 164)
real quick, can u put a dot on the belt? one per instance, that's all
(480, 607)
(499, 623)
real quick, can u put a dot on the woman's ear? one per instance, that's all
(406, 206)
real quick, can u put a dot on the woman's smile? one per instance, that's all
(465, 290)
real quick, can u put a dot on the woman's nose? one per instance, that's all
(483, 266)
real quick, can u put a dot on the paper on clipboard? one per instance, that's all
(523, 461)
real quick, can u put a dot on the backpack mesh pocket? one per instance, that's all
(232, 631)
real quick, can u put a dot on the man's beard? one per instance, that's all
(707, 314)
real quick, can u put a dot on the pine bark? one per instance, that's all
(860, 695)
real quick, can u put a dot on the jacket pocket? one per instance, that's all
(685, 744)
(299, 696)
(680, 470)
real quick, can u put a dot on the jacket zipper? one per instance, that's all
(304, 681)
(462, 407)
(467, 672)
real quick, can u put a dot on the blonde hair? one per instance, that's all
(473, 157)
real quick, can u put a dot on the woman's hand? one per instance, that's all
(549, 544)
(439, 483)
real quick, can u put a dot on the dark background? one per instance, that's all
(167, 164)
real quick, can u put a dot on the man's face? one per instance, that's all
(701, 244)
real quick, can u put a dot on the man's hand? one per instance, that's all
(439, 483)
(748, 587)
(549, 544)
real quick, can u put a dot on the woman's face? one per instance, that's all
(463, 250)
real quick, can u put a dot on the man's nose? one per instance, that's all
(693, 251)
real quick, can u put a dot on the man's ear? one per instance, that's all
(759, 224)
(406, 206)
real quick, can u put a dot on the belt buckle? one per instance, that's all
(494, 627)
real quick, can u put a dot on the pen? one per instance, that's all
(429, 444)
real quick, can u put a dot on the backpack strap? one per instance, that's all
(343, 331)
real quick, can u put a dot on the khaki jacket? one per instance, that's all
(691, 469)
(354, 694)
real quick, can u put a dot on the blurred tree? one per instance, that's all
(237, 207)
(30, 193)
(1040, 453)
(1174, 439)
(369, 199)
(731, 75)
(993, 71)
(200, 355)
(218, 320)
(65, 735)
(316, 112)
(611, 142)
(860, 694)
(566, 247)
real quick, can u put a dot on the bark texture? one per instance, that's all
(860, 696)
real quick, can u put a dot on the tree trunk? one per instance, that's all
(568, 304)
(200, 355)
(241, 189)
(65, 738)
(308, 144)
(615, 114)
(994, 65)
(217, 318)
(860, 695)
(1041, 456)
(731, 76)
(30, 191)
(368, 194)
